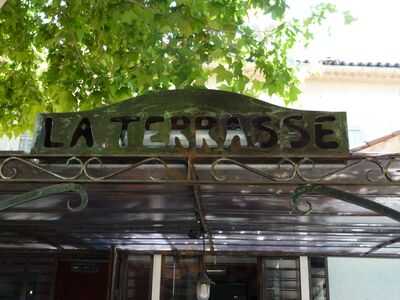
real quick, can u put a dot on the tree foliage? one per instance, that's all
(74, 55)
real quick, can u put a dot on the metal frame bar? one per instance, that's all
(383, 245)
(199, 206)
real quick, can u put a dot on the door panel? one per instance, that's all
(82, 280)
(229, 291)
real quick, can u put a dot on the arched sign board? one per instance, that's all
(202, 121)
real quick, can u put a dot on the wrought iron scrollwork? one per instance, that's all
(341, 195)
(47, 191)
(393, 176)
(297, 201)
(8, 172)
(306, 170)
(378, 170)
(84, 170)
(123, 169)
(269, 176)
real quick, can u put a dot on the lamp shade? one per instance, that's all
(203, 287)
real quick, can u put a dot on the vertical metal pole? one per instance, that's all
(114, 261)
(156, 282)
(304, 278)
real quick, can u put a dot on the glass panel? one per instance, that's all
(11, 287)
(210, 260)
(281, 279)
(319, 278)
(138, 277)
(235, 277)
(178, 278)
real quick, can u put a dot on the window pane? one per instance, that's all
(138, 277)
(235, 277)
(281, 279)
(179, 277)
(26, 278)
(319, 278)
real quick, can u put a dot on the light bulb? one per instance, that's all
(204, 291)
(203, 287)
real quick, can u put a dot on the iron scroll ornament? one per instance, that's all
(47, 191)
(341, 195)
(304, 169)
(9, 172)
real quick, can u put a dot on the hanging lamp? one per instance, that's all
(203, 286)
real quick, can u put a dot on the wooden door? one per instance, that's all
(82, 280)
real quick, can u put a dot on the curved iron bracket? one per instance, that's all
(341, 195)
(47, 191)
(382, 245)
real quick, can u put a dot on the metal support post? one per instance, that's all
(304, 278)
(156, 282)
(114, 262)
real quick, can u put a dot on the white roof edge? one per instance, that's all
(355, 72)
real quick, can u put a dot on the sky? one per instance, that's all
(374, 36)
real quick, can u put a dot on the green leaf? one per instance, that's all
(348, 17)
(223, 74)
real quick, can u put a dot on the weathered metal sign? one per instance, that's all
(202, 121)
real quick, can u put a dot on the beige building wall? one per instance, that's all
(390, 146)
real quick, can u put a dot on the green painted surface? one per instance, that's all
(191, 104)
(46, 191)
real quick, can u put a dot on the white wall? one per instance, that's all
(21, 143)
(364, 278)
